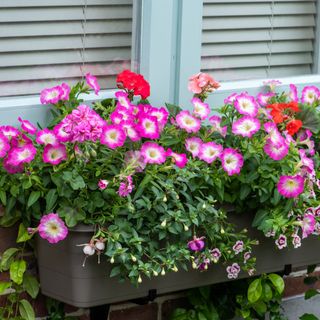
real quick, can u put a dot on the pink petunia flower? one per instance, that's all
(281, 242)
(246, 126)
(273, 133)
(147, 127)
(54, 154)
(232, 161)
(310, 94)
(293, 93)
(126, 187)
(65, 91)
(210, 151)
(46, 136)
(247, 256)
(306, 162)
(233, 271)
(246, 105)
(161, 114)
(180, 159)
(9, 131)
(238, 247)
(201, 109)
(60, 132)
(27, 126)
(197, 244)
(129, 128)
(153, 153)
(103, 184)
(93, 83)
(216, 254)
(290, 186)
(4, 145)
(113, 136)
(230, 99)
(264, 98)
(51, 95)
(215, 121)
(272, 84)
(20, 141)
(308, 224)
(188, 122)
(24, 154)
(193, 145)
(134, 160)
(52, 228)
(123, 100)
(276, 151)
(12, 168)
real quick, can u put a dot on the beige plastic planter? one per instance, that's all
(62, 276)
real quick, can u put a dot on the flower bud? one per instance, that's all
(175, 269)
(165, 199)
(88, 250)
(133, 258)
(155, 273)
(186, 228)
(164, 223)
(177, 197)
(139, 280)
(194, 265)
(204, 206)
(163, 272)
(100, 245)
(205, 267)
(93, 153)
(112, 260)
(222, 231)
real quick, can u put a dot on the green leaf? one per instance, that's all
(260, 216)
(310, 118)
(17, 270)
(26, 310)
(3, 197)
(141, 187)
(254, 291)
(310, 293)
(267, 292)
(72, 215)
(277, 282)
(115, 271)
(23, 234)
(31, 285)
(4, 286)
(244, 191)
(308, 316)
(311, 268)
(310, 280)
(34, 196)
(201, 316)
(7, 258)
(51, 199)
(260, 307)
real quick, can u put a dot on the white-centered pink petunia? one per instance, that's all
(24, 154)
(65, 91)
(93, 83)
(52, 228)
(51, 95)
(54, 154)
(130, 129)
(188, 122)
(246, 126)
(310, 94)
(272, 84)
(148, 127)
(161, 114)
(193, 145)
(246, 105)
(293, 93)
(9, 131)
(232, 161)
(20, 141)
(210, 151)
(308, 224)
(306, 163)
(201, 109)
(276, 151)
(12, 168)
(113, 136)
(4, 145)
(46, 136)
(27, 126)
(215, 121)
(123, 100)
(290, 186)
(264, 98)
(230, 99)
(153, 153)
(179, 159)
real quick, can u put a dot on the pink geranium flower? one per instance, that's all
(51, 95)
(308, 224)
(290, 186)
(23, 154)
(232, 161)
(113, 136)
(46, 136)
(148, 127)
(310, 94)
(180, 159)
(246, 105)
(197, 244)
(210, 151)
(27, 126)
(153, 153)
(188, 122)
(201, 109)
(276, 151)
(54, 154)
(193, 145)
(52, 228)
(93, 83)
(246, 126)
(4, 145)
(202, 82)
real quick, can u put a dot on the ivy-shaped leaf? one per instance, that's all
(17, 270)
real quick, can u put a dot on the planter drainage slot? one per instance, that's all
(99, 312)
(152, 294)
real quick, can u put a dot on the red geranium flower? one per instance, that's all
(278, 110)
(293, 126)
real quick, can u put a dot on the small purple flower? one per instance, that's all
(203, 265)
(216, 254)
(247, 256)
(281, 242)
(197, 244)
(238, 247)
(296, 241)
(233, 271)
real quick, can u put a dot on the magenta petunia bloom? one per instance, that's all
(123, 100)
(276, 151)
(197, 244)
(51, 95)
(103, 184)
(161, 114)
(153, 153)
(281, 242)
(246, 105)
(52, 228)
(308, 225)
(232, 161)
(215, 121)
(264, 98)
(274, 134)
(179, 159)
(113, 136)
(27, 126)
(230, 99)
(306, 163)
(65, 91)
(93, 83)
(188, 122)
(46, 136)
(193, 145)
(54, 154)
(310, 94)
(9, 131)
(23, 154)
(148, 127)
(12, 168)
(4, 145)
(201, 109)
(129, 128)
(290, 186)
(293, 93)
(238, 247)
(210, 151)
(246, 126)
(126, 187)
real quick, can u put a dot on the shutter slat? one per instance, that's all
(54, 3)
(256, 1)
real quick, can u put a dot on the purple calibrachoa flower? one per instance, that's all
(103, 184)
(197, 244)
(238, 247)
(293, 93)
(203, 265)
(281, 242)
(296, 241)
(310, 94)
(210, 151)
(153, 153)
(93, 83)
(246, 105)
(246, 126)
(216, 254)
(291, 186)
(308, 224)
(232, 161)
(247, 256)
(188, 122)
(193, 145)
(52, 228)
(27, 126)
(54, 154)
(233, 271)
(201, 109)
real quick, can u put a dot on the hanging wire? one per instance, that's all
(83, 38)
(269, 56)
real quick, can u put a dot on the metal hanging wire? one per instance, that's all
(269, 56)
(83, 37)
